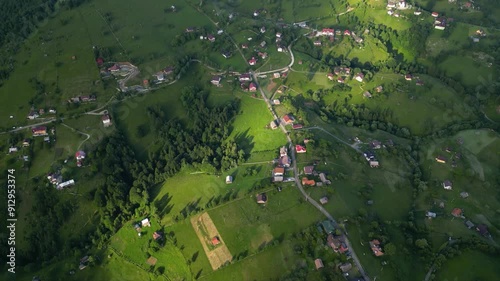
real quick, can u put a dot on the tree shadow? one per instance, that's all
(245, 141)
(195, 256)
(198, 274)
(163, 205)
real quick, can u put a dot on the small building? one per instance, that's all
(483, 230)
(323, 178)
(252, 61)
(216, 80)
(430, 215)
(80, 155)
(330, 76)
(12, 149)
(26, 142)
(273, 125)
(323, 200)
(145, 222)
(276, 75)
(297, 126)
(278, 34)
(374, 164)
(347, 32)
(229, 179)
(157, 235)
(285, 161)
(447, 185)
(215, 241)
(408, 77)
(417, 13)
(345, 267)
(376, 249)
(367, 94)
(39, 131)
(375, 144)
(469, 224)
(252, 87)
(226, 54)
(281, 49)
(288, 119)
(317, 43)
(65, 184)
(359, 77)
(308, 182)
(262, 198)
(340, 80)
(308, 170)
(379, 89)
(318, 263)
(300, 149)
(276, 102)
(263, 29)
(457, 212)
(440, 159)
(211, 38)
(464, 194)
(106, 120)
(283, 151)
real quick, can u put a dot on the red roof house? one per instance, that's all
(457, 212)
(297, 126)
(330, 76)
(39, 131)
(252, 87)
(80, 155)
(287, 119)
(347, 32)
(252, 61)
(300, 149)
(215, 241)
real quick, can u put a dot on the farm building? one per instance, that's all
(306, 181)
(447, 185)
(215, 241)
(375, 246)
(300, 149)
(106, 120)
(308, 170)
(318, 263)
(229, 179)
(440, 159)
(457, 212)
(323, 200)
(157, 235)
(145, 222)
(262, 198)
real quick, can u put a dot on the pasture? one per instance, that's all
(471, 69)
(469, 266)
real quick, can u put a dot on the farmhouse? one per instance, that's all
(300, 149)
(330, 76)
(262, 198)
(457, 212)
(483, 230)
(308, 170)
(106, 121)
(308, 182)
(328, 226)
(323, 200)
(375, 246)
(245, 77)
(318, 263)
(26, 142)
(323, 178)
(283, 151)
(359, 77)
(345, 267)
(464, 194)
(229, 179)
(447, 185)
(374, 164)
(216, 80)
(297, 126)
(287, 119)
(39, 131)
(440, 159)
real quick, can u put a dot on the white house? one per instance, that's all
(447, 185)
(229, 179)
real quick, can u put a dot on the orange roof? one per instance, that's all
(306, 181)
(215, 241)
(456, 212)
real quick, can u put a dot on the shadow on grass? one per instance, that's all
(163, 205)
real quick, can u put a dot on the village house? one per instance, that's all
(347, 32)
(375, 246)
(317, 43)
(447, 185)
(106, 120)
(65, 184)
(296, 126)
(252, 61)
(464, 194)
(390, 12)
(440, 159)
(211, 38)
(287, 119)
(435, 14)
(252, 87)
(323, 200)
(216, 80)
(263, 44)
(244, 46)
(276, 102)
(408, 77)
(456, 212)
(391, 5)
(283, 151)
(262, 198)
(276, 75)
(245, 77)
(308, 170)
(308, 182)
(229, 179)
(375, 144)
(430, 215)
(263, 29)
(318, 263)
(12, 149)
(278, 34)
(226, 54)
(145, 222)
(26, 142)
(300, 149)
(469, 224)
(330, 76)
(285, 161)
(340, 80)
(359, 77)
(374, 164)
(440, 26)
(33, 115)
(280, 49)
(367, 94)
(279, 171)
(39, 131)
(417, 13)
(482, 229)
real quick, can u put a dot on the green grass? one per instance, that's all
(246, 226)
(469, 266)
(471, 71)
(127, 242)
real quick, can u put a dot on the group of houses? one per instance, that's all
(371, 159)
(482, 228)
(288, 119)
(394, 6)
(33, 114)
(162, 76)
(79, 156)
(117, 69)
(246, 82)
(82, 99)
(340, 74)
(310, 172)
(333, 34)
(337, 243)
(58, 182)
(454, 157)
(138, 226)
(25, 143)
(282, 163)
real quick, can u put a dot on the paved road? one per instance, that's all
(49, 120)
(299, 183)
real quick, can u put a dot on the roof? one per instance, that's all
(482, 229)
(447, 183)
(287, 118)
(156, 235)
(308, 169)
(456, 212)
(279, 170)
(318, 263)
(215, 241)
(323, 200)
(261, 198)
(80, 154)
(299, 148)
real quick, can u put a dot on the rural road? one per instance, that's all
(296, 174)
(50, 120)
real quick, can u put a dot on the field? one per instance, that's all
(205, 229)
(469, 266)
